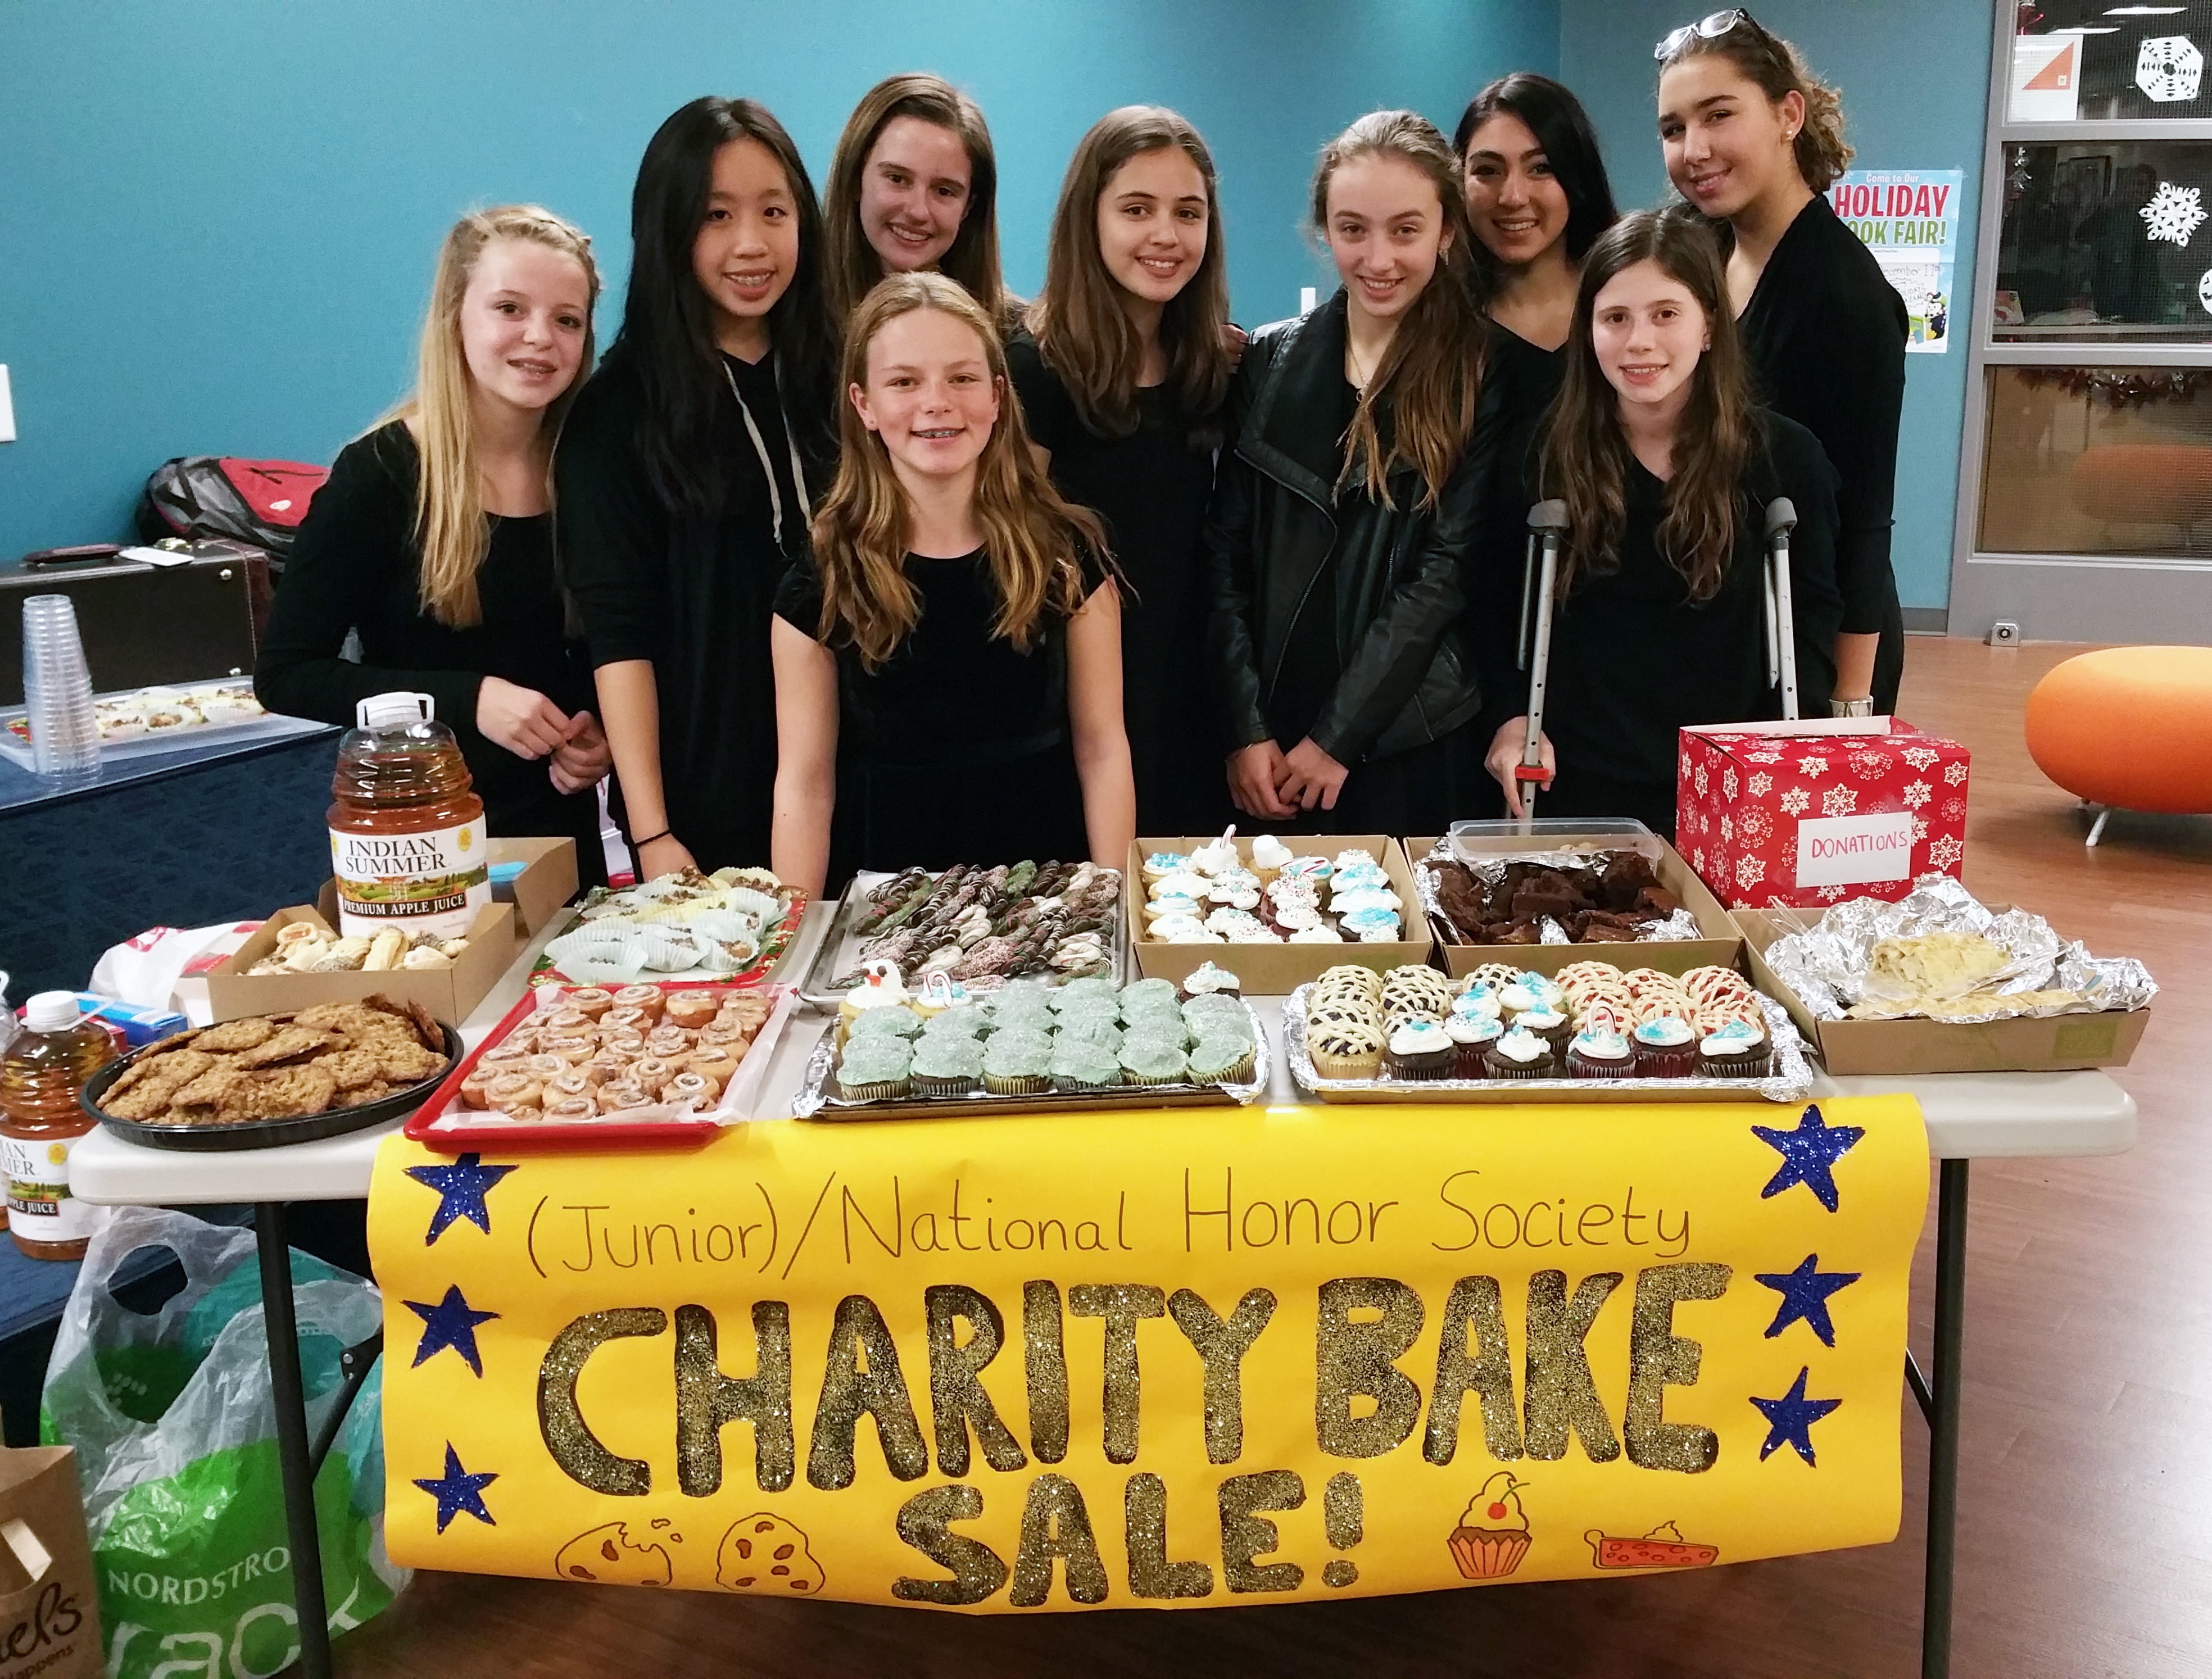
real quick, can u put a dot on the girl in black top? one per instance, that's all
(1121, 371)
(1344, 508)
(1754, 139)
(948, 670)
(685, 474)
(1537, 196)
(1667, 466)
(432, 541)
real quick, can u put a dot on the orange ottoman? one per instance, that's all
(2128, 727)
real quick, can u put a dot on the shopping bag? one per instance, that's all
(174, 1426)
(49, 1611)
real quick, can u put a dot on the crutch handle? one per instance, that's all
(1553, 515)
(1781, 518)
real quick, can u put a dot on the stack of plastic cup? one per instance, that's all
(57, 690)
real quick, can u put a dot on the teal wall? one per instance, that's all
(1913, 75)
(217, 217)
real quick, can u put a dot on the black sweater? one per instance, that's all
(356, 567)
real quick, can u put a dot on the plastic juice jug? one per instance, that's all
(41, 1074)
(407, 836)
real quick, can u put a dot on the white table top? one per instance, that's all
(1974, 1116)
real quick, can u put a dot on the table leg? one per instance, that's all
(1943, 1420)
(292, 1445)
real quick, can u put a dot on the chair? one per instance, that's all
(2127, 729)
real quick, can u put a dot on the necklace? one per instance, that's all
(1353, 370)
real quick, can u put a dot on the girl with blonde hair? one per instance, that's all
(431, 542)
(948, 667)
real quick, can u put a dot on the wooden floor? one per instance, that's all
(2085, 1545)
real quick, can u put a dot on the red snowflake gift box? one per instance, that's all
(1802, 815)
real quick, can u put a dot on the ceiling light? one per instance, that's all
(2143, 11)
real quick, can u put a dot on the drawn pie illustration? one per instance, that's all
(1492, 1535)
(605, 1556)
(765, 1552)
(1662, 1547)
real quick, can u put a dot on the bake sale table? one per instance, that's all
(1966, 1117)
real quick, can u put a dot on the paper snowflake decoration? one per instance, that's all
(1749, 871)
(1921, 757)
(1761, 784)
(1839, 801)
(1794, 802)
(1945, 853)
(1955, 772)
(2169, 69)
(2173, 213)
(1917, 793)
(2204, 290)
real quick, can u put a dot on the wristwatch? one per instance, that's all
(1851, 708)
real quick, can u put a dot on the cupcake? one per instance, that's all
(1076, 992)
(1218, 1058)
(1471, 1036)
(1736, 1049)
(1168, 1030)
(1270, 856)
(899, 1022)
(963, 1019)
(1078, 1066)
(880, 987)
(1599, 1051)
(1665, 1047)
(1520, 1055)
(1207, 979)
(1160, 864)
(874, 1068)
(1092, 1029)
(1153, 1060)
(1315, 935)
(1345, 1043)
(1547, 1023)
(1479, 1001)
(1418, 1049)
(1017, 1061)
(950, 1064)
(1314, 868)
(1492, 1535)
(1148, 993)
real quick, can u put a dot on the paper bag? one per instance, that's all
(49, 1604)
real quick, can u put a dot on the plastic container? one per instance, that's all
(42, 1074)
(408, 847)
(57, 690)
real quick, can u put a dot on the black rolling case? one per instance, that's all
(144, 624)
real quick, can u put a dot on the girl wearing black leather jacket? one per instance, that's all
(1344, 507)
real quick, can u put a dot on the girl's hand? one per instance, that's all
(1310, 776)
(663, 855)
(1233, 339)
(583, 760)
(521, 719)
(1253, 774)
(1506, 746)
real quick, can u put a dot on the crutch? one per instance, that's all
(1540, 579)
(1781, 619)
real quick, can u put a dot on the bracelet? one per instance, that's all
(1851, 708)
(641, 844)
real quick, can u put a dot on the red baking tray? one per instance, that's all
(739, 1097)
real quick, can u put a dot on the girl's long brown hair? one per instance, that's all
(451, 529)
(1585, 449)
(973, 260)
(1431, 377)
(1030, 535)
(1082, 328)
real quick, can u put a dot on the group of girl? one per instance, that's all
(843, 557)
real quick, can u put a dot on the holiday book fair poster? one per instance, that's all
(1909, 219)
(1154, 1359)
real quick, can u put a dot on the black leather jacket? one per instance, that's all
(1274, 520)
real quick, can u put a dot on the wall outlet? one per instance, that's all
(2004, 634)
(7, 409)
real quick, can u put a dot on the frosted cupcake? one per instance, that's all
(949, 1065)
(1599, 1051)
(875, 1067)
(1270, 856)
(1420, 1050)
(1736, 1049)
(1017, 1061)
(1471, 1036)
(1520, 1056)
(1208, 980)
(1665, 1047)
(880, 987)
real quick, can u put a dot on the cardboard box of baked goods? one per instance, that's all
(1718, 948)
(548, 879)
(449, 993)
(1277, 970)
(2051, 1042)
(1803, 814)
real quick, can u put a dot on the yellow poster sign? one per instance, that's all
(1171, 1359)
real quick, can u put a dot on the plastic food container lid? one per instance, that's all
(52, 1011)
(394, 710)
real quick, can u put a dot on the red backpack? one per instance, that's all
(198, 496)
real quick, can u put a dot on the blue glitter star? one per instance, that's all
(456, 1491)
(1789, 1420)
(1807, 1152)
(1804, 1293)
(461, 1189)
(452, 1322)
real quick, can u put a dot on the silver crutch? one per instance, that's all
(1781, 617)
(1547, 521)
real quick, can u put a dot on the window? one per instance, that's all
(2106, 240)
(2076, 61)
(2095, 460)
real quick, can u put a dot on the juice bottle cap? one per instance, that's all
(52, 1011)
(394, 710)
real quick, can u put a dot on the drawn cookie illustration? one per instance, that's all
(1662, 1547)
(765, 1552)
(605, 1555)
(1492, 1535)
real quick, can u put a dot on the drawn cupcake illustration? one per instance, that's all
(1492, 1535)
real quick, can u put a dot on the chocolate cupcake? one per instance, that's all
(1520, 1056)
(1208, 980)
(1665, 1048)
(1418, 1049)
(1549, 1023)
(1736, 1049)
(1599, 1052)
(1471, 1036)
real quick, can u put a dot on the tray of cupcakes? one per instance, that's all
(1591, 1033)
(585, 1066)
(1028, 1047)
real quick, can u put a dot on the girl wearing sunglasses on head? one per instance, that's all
(1754, 140)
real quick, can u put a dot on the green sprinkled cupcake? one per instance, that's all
(1142, 992)
(1213, 1006)
(1080, 1067)
(1220, 1060)
(1032, 1013)
(1075, 991)
(875, 1066)
(1017, 1061)
(889, 1023)
(947, 1065)
(965, 1020)
(1167, 1029)
(1099, 1034)
(1152, 1060)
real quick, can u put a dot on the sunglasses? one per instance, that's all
(1710, 27)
